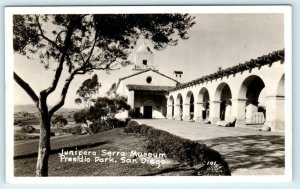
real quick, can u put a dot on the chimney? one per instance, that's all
(178, 75)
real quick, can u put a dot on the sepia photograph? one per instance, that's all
(173, 92)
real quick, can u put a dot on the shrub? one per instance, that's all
(182, 150)
(76, 130)
(132, 127)
(27, 129)
(81, 116)
(116, 123)
(100, 126)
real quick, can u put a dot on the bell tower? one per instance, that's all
(144, 59)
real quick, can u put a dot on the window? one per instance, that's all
(149, 79)
(144, 62)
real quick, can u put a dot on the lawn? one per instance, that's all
(113, 140)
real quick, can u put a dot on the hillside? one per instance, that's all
(30, 108)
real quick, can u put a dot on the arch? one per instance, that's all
(203, 104)
(223, 96)
(189, 102)
(280, 109)
(203, 95)
(178, 109)
(280, 87)
(251, 90)
(171, 103)
(171, 100)
(179, 99)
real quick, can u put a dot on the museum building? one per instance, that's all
(251, 93)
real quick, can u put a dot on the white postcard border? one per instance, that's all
(9, 84)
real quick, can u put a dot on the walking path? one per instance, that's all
(247, 151)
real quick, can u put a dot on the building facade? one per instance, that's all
(250, 94)
(146, 88)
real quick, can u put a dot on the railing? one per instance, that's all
(144, 67)
(258, 118)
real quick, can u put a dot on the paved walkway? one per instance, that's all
(247, 151)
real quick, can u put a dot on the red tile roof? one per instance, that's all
(148, 88)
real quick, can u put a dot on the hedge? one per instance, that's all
(197, 155)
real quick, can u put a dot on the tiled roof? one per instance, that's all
(253, 63)
(149, 88)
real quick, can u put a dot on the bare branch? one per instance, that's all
(59, 35)
(56, 76)
(27, 89)
(43, 35)
(93, 47)
(63, 95)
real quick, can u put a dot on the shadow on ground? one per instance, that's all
(250, 152)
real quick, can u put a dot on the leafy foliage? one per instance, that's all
(88, 88)
(27, 129)
(183, 150)
(81, 116)
(59, 121)
(83, 43)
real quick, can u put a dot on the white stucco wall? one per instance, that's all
(270, 75)
(140, 79)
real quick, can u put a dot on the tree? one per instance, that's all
(108, 107)
(59, 121)
(80, 44)
(81, 116)
(78, 101)
(112, 91)
(87, 89)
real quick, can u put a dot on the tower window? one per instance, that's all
(144, 62)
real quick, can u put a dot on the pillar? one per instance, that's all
(177, 113)
(169, 111)
(239, 111)
(186, 112)
(198, 111)
(275, 113)
(214, 115)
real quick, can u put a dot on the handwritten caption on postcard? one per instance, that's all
(106, 156)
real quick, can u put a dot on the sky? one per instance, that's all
(216, 40)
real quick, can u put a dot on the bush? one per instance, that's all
(76, 130)
(100, 126)
(182, 150)
(81, 116)
(116, 123)
(27, 129)
(132, 127)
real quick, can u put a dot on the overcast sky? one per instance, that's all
(216, 40)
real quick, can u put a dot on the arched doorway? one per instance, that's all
(223, 102)
(189, 106)
(203, 104)
(252, 91)
(170, 107)
(280, 110)
(178, 107)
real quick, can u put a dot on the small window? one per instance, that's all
(144, 62)
(149, 79)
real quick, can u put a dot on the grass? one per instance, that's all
(24, 136)
(113, 140)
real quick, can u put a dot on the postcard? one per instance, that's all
(139, 94)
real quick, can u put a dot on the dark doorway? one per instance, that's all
(148, 112)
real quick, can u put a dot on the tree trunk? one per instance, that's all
(44, 143)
